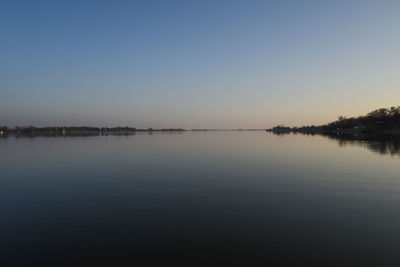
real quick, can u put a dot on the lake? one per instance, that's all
(244, 198)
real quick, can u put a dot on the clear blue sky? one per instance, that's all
(225, 64)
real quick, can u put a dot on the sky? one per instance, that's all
(196, 64)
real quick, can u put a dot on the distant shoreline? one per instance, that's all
(384, 120)
(337, 131)
(32, 131)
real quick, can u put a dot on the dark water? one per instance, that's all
(199, 199)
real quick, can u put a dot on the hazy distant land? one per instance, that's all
(32, 131)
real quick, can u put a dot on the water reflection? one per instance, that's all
(199, 199)
(384, 144)
(381, 143)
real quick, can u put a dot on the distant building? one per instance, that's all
(359, 127)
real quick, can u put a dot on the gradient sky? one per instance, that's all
(216, 64)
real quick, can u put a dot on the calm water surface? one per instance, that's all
(199, 199)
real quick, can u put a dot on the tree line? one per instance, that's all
(76, 130)
(383, 119)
